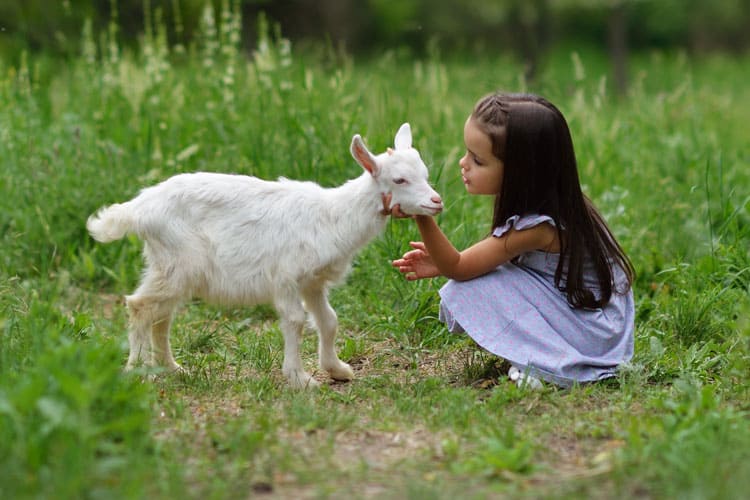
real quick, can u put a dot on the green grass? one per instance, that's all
(428, 414)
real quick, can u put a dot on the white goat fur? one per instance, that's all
(234, 239)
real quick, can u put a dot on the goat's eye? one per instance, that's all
(400, 180)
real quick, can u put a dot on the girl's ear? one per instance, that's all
(403, 137)
(363, 156)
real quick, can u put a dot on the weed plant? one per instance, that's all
(428, 415)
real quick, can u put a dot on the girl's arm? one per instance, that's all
(485, 255)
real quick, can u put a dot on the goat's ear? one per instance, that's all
(363, 156)
(403, 137)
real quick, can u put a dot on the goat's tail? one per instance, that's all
(111, 223)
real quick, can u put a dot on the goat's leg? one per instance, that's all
(139, 337)
(151, 307)
(150, 318)
(316, 301)
(162, 350)
(292, 322)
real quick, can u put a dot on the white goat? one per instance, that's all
(234, 239)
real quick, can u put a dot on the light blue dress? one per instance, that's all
(517, 313)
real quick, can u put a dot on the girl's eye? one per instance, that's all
(476, 160)
(399, 181)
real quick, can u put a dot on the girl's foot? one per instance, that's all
(524, 379)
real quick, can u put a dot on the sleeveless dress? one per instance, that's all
(517, 313)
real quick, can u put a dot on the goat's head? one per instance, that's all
(401, 172)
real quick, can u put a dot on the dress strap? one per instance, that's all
(519, 223)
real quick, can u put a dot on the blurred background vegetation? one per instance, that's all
(98, 99)
(526, 29)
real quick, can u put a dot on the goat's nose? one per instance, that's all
(437, 200)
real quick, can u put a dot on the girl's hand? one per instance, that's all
(395, 210)
(416, 264)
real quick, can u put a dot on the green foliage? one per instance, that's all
(70, 423)
(666, 165)
(698, 446)
(502, 453)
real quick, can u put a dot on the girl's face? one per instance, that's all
(481, 171)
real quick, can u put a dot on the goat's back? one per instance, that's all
(239, 237)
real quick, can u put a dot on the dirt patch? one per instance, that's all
(381, 450)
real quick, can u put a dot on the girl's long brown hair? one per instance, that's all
(530, 135)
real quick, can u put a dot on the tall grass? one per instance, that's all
(428, 413)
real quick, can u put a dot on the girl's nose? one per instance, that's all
(462, 162)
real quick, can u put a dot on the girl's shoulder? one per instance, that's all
(520, 222)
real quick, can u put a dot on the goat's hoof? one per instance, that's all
(341, 371)
(302, 381)
(175, 368)
(136, 364)
(139, 366)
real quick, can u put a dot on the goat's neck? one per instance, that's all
(359, 203)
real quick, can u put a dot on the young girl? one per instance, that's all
(549, 289)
